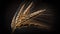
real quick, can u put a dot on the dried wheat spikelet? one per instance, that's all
(23, 17)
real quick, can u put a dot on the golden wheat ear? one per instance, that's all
(23, 15)
(19, 19)
(20, 15)
(40, 12)
(26, 12)
(20, 11)
(14, 21)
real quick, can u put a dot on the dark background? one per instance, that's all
(9, 7)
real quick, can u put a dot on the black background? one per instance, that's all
(8, 8)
